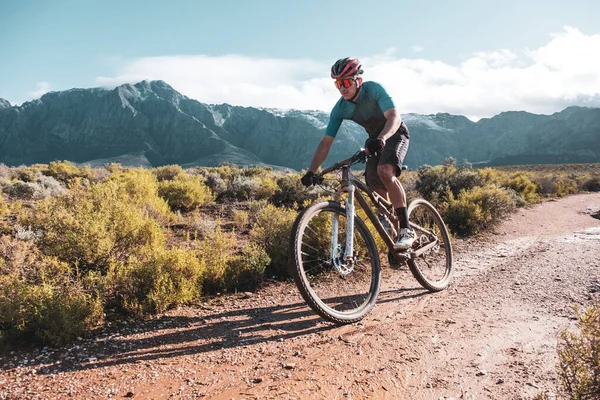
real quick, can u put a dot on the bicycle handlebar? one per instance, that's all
(359, 156)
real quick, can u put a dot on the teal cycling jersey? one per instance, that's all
(368, 111)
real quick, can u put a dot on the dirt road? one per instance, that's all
(491, 334)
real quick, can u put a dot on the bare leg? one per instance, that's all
(394, 188)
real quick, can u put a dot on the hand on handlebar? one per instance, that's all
(310, 178)
(374, 145)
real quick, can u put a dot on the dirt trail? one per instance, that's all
(491, 334)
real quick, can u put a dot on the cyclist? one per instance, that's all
(369, 105)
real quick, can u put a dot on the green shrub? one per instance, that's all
(216, 252)
(267, 187)
(477, 209)
(579, 356)
(50, 186)
(64, 171)
(27, 174)
(565, 187)
(463, 179)
(240, 219)
(142, 188)
(215, 183)
(168, 172)
(185, 193)
(202, 224)
(40, 298)
(93, 226)
(247, 268)
(3, 207)
(433, 182)
(493, 176)
(524, 186)
(272, 231)
(154, 282)
(592, 184)
(42, 186)
(24, 191)
(290, 191)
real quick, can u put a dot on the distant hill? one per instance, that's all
(151, 124)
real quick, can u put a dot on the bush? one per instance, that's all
(524, 186)
(433, 182)
(42, 187)
(240, 219)
(247, 268)
(27, 174)
(272, 231)
(40, 298)
(142, 189)
(25, 191)
(565, 187)
(3, 207)
(243, 188)
(202, 224)
(4, 171)
(216, 183)
(93, 226)
(592, 184)
(477, 209)
(290, 191)
(168, 172)
(216, 251)
(185, 193)
(50, 186)
(64, 171)
(579, 356)
(155, 282)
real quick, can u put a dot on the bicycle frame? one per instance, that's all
(349, 185)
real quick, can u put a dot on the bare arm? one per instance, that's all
(392, 124)
(321, 153)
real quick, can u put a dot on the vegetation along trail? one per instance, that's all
(491, 334)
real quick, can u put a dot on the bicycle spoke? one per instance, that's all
(337, 286)
(433, 267)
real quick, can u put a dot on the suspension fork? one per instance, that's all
(347, 187)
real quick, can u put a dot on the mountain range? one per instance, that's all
(151, 124)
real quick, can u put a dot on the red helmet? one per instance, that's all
(346, 67)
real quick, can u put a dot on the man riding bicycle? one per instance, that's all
(369, 105)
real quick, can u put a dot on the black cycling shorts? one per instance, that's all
(393, 153)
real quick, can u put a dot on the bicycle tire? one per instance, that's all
(423, 213)
(312, 279)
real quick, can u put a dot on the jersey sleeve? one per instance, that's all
(383, 99)
(335, 121)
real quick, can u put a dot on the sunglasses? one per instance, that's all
(344, 82)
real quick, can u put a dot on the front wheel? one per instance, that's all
(432, 268)
(339, 289)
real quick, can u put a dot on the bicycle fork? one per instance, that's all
(344, 263)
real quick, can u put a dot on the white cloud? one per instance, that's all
(566, 71)
(42, 88)
(237, 80)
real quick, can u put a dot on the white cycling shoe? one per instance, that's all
(406, 238)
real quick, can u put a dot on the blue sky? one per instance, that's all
(475, 58)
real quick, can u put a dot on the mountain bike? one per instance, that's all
(337, 267)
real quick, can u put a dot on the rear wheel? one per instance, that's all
(433, 268)
(339, 290)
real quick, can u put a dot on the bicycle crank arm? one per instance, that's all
(409, 255)
(423, 249)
